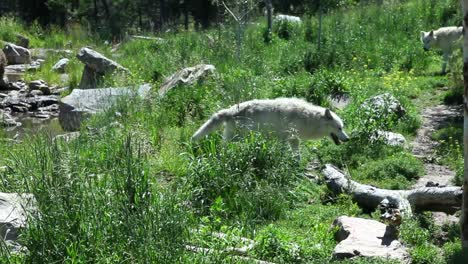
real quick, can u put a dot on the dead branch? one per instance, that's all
(440, 199)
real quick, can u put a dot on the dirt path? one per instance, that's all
(434, 118)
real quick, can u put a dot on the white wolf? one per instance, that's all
(445, 38)
(289, 119)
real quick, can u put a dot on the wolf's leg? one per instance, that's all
(446, 57)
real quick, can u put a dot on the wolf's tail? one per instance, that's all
(210, 125)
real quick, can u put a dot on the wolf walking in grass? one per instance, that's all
(289, 119)
(444, 38)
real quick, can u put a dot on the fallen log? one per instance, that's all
(439, 199)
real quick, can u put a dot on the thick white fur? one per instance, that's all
(289, 119)
(444, 38)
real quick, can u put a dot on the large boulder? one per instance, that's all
(96, 66)
(80, 104)
(186, 76)
(16, 54)
(360, 237)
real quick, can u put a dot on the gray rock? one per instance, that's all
(61, 65)
(80, 104)
(35, 93)
(97, 62)
(16, 54)
(14, 208)
(6, 120)
(186, 76)
(22, 41)
(360, 237)
(383, 104)
(287, 18)
(96, 66)
(39, 85)
(22, 68)
(391, 138)
(43, 101)
(17, 86)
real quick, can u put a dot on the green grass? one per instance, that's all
(135, 192)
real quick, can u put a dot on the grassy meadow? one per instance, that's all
(139, 192)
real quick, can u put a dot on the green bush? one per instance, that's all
(397, 171)
(251, 177)
(271, 245)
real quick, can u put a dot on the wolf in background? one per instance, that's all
(289, 119)
(444, 38)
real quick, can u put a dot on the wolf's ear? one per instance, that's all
(423, 34)
(328, 114)
(431, 34)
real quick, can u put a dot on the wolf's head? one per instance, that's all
(427, 38)
(335, 127)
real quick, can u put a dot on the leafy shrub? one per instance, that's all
(326, 84)
(251, 177)
(271, 245)
(284, 29)
(394, 172)
(426, 254)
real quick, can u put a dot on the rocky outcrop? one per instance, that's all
(383, 104)
(360, 237)
(186, 76)
(6, 120)
(390, 138)
(96, 66)
(40, 85)
(61, 65)
(16, 54)
(80, 104)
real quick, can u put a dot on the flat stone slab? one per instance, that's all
(82, 103)
(360, 237)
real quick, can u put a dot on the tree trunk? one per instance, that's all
(162, 13)
(464, 215)
(96, 12)
(186, 15)
(106, 8)
(269, 9)
(319, 39)
(439, 199)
